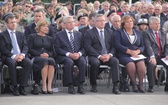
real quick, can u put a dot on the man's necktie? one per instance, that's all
(14, 44)
(159, 44)
(104, 50)
(72, 42)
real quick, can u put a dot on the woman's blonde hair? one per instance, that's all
(41, 23)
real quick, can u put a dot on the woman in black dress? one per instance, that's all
(41, 49)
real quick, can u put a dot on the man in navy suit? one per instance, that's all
(99, 46)
(70, 52)
(14, 50)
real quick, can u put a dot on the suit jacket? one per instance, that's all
(30, 29)
(84, 29)
(101, 12)
(122, 42)
(93, 45)
(107, 25)
(163, 19)
(147, 16)
(6, 44)
(131, 14)
(151, 43)
(63, 46)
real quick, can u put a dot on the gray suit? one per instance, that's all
(153, 49)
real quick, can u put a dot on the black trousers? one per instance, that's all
(12, 64)
(68, 69)
(94, 69)
(151, 70)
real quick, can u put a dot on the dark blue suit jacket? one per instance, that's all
(131, 14)
(62, 43)
(92, 43)
(6, 44)
(122, 43)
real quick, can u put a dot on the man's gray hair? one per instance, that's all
(115, 16)
(66, 17)
(97, 15)
(152, 18)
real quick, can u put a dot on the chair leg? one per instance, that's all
(109, 79)
(0, 81)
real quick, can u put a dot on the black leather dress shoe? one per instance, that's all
(35, 89)
(16, 91)
(150, 89)
(93, 88)
(71, 90)
(116, 89)
(81, 89)
(22, 90)
(166, 88)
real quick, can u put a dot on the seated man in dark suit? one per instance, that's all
(99, 46)
(156, 48)
(70, 51)
(14, 50)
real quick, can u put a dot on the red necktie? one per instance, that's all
(158, 42)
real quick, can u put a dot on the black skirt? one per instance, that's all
(40, 62)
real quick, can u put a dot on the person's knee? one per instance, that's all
(12, 63)
(95, 62)
(113, 61)
(69, 62)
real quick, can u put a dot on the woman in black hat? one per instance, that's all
(142, 24)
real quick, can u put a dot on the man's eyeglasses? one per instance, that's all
(28, 6)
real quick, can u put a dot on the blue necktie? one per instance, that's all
(72, 42)
(14, 44)
(104, 50)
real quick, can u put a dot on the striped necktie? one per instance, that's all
(72, 41)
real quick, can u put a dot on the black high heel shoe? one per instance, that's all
(50, 92)
(135, 89)
(44, 92)
(141, 90)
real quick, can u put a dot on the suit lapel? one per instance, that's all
(106, 38)
(66, 39)
(7, 37)
(161, 39)
(97, 34)
(75, 38)
(153, 36)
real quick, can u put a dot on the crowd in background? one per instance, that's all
(43, 32)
